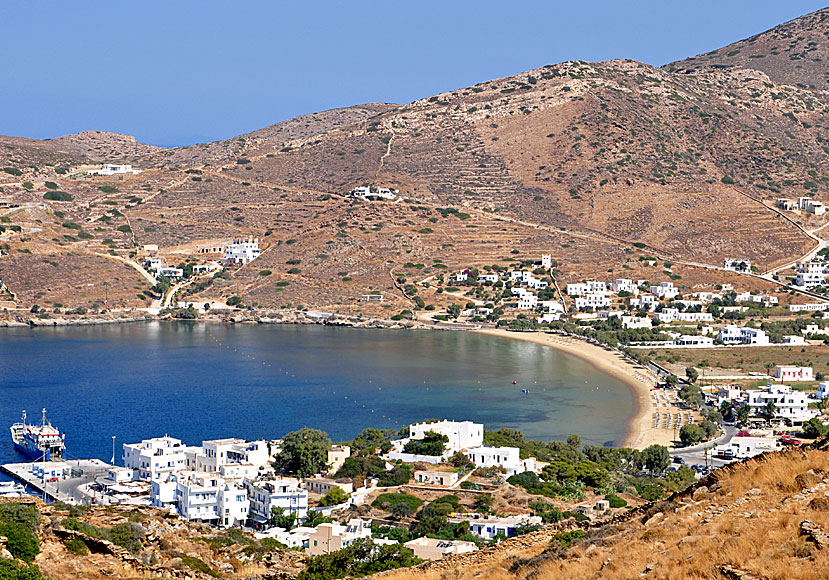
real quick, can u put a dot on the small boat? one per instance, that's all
(11, 489)
(514, 382)
(525, 391)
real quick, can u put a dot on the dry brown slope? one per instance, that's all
(793, 53)
(746, 518)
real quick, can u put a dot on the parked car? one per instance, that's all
(789, 440)
(678, 459)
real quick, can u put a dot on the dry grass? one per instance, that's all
(748, 519)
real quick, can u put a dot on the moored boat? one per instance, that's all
(38, 442)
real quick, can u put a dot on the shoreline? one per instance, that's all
(640, 433)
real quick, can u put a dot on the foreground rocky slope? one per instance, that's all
(765, 518)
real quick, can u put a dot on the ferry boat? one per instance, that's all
(38, 442)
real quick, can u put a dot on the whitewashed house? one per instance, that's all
(789, 404)
(624, 285)
(793, 373)
(462, 434)
(508, 458)
(594, 301)
(154, 459)
(631, 322)
(694, 341)
(242, 251)
(665, 290)
(276, 493)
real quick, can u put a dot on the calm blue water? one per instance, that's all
(201, 381)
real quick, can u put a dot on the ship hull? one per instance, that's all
(33, 455)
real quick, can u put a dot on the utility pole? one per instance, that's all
(113, 450)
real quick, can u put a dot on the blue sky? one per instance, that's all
(177, 72)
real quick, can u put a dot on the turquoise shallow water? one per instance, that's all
(201, 381)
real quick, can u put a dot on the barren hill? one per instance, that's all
(601, 164)
(794, 53)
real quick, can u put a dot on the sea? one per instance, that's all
(198, 380)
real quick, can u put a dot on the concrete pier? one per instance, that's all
(71, 487)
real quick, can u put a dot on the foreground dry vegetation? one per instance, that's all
(747, 518)
(764, 518)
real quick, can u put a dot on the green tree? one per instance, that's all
(432, 444)
(769, 410)
(690, 434)
(335, 496)
(454, 310)
(360, 558)
(692, 374)
(281, 520)
(304, 452)
(656, 458)
(743, 413)
(671, 381)
(574, 441)
(814, 428)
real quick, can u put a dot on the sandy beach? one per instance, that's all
(640, 380)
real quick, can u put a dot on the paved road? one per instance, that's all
(696, 455)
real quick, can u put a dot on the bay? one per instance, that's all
(197, 381)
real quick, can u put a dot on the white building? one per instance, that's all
(811, 206)
(508, 458)
(208, 498)
(646, 302)
(546, 261)
(218, 452)
(242, 251)
(436, 477)
(436, 549)
(374, 191)
(267, 495)
(789, 404)
(694, 341)
(154, 459)
(786, 204)
(111, 169)
(745, 447)
(594, 301)
(816, 307)
(462, 434)
(588, 287)
(488, 278)
(809, 279)
(733, 334)
(630, 322)
(695, 317)
(527, 301)
(790, 339)
(490, 527)
(461, 276)
(792, 373)
(624, 285)
(664, 290)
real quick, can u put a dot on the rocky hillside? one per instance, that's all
(766, 518)
(794, 53)
(601, 164)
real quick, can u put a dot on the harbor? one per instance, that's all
(67, 481)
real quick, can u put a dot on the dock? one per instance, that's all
(74, 487)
